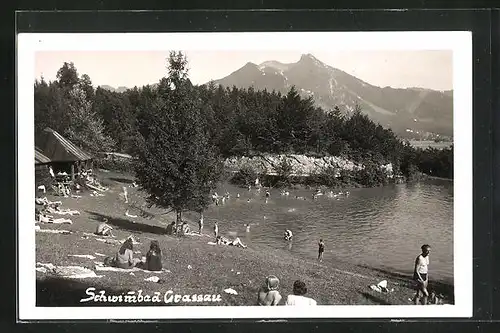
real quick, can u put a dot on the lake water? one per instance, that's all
(379, 227)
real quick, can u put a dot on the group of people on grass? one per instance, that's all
(125, 259)
(270, 295)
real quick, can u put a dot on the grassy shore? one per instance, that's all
(194, 266)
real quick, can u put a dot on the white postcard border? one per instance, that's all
(460, 42)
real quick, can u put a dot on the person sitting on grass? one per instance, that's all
(125, 256)
(269, 294)
(185, 228)
(298, 298)
(170, 228)
(153, 257)
(221, 240)
(104, 229)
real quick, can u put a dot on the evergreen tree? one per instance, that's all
(176, 164)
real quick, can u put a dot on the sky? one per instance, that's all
(397, 69)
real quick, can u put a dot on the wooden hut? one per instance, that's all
(62, 154)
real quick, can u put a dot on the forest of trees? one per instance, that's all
(230, 121)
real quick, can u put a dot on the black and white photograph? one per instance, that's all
(254, 175)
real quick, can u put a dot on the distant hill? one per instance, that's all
(110, 88)
(418, 109)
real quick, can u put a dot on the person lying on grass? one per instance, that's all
(221, 240)
(56, 209)
(269, 294)
(44, 218)
(125, 256)
(44, 201)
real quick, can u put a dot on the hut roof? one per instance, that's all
(40, 158)
(59, 149)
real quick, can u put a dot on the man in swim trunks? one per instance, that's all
(420, 274)
(321, 249)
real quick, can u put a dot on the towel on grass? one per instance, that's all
(152, 279)
(230, 291)
(86, 256)
(53, 231)
(95, 235)
(125, 270)
(70, 272)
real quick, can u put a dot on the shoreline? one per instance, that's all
(197, 267)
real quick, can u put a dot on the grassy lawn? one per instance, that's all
(194, 266)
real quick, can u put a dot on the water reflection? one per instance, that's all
(380, 227)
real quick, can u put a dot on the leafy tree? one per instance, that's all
(176, 164)
(85, 129)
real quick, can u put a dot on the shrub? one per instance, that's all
(115, 164)
(371, 175)
(245, 176)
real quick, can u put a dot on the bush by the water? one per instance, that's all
(436, 162)
(115, 164)
(245, 176)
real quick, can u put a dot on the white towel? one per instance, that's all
(123, 270)
(52, 231)
(230, 291)
(152, 279)
(86, 256)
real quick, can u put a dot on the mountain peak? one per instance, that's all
(310, 59)
(308, 56)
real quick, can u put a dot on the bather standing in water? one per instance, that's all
(321, 249)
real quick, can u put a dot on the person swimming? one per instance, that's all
(288, 235)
